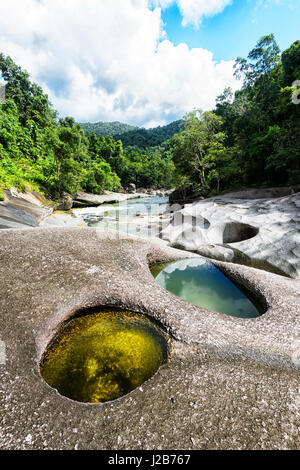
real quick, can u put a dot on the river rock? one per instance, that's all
(263, 233)
(131, 188)
(230, 383)
(23, 210)
(82, 199)
(63, 219)
(263, 193)
(65, 202)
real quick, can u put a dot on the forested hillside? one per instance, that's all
(134, 136)
(144, 138)
(102, 129)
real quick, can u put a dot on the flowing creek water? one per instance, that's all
(141, 217)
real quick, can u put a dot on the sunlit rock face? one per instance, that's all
(201, 283)
(259, 228)
(102, 356)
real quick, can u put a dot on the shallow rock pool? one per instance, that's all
(201, 283)
(102, 356)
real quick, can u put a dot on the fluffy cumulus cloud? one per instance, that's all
(194, 10)
(110, 61)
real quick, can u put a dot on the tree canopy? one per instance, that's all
(253, 136)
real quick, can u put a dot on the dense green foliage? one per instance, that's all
(198, 148)
(102, 129)
(132, 165)
(267, 131)
(53, 156)
(253, 137)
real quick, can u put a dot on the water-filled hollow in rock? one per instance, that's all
(201, 283)
(102, 356)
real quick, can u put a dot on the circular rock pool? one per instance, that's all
(102, 356)
(201, 283)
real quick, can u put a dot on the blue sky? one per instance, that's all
(236, 30)
(143, 62)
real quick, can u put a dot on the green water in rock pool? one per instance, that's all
(102, 356)
(201, 283)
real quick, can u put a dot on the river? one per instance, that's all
(141, 217)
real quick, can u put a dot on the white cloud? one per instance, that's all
(100, 61)
(194, 10)
(161, 3)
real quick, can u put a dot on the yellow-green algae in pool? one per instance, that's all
(102, 356)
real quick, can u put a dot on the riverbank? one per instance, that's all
(223, 373)
(23, 210)
(30, 209)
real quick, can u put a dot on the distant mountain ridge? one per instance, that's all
(134, 136)
(154, 137)
(102, 129)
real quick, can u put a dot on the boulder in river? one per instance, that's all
(65, 202)
(131, 188)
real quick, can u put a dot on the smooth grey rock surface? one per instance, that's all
(263, 233)
(82, 199)
(63, 219)
(230, 383)
(263, 193)
(21, 210)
